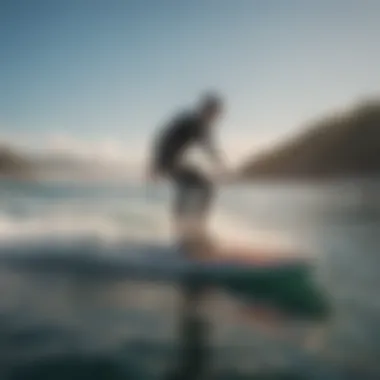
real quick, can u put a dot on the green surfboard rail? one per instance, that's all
(289, 289)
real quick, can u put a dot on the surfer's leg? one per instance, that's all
(182, 202)
(202, 192)
(186, 187)
(192, 202)
(207, 194)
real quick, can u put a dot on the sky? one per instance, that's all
(103, 75)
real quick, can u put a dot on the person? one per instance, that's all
(194, 190)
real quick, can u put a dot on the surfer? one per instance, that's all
(194, 189)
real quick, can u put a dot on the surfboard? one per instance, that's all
(260, 278)
(275, 282)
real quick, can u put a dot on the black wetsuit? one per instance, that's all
(191, 184)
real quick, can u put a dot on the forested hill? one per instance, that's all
(11, 163)
(347, 145)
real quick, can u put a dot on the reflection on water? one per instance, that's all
(68, 325)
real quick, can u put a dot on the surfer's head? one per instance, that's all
(210, 107)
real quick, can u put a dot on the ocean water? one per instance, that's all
(69, 320)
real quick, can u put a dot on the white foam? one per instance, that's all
(113, 222)
(63, 225)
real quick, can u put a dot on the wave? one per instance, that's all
(109, 224)
(111, 214)
(130, 259)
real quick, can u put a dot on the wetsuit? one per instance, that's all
(191, 185)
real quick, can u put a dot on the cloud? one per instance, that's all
(107, 149)
(107, 155)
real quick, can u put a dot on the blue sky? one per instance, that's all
(115, 69)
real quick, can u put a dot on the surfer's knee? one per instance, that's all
(207, 190)
(209, 187)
